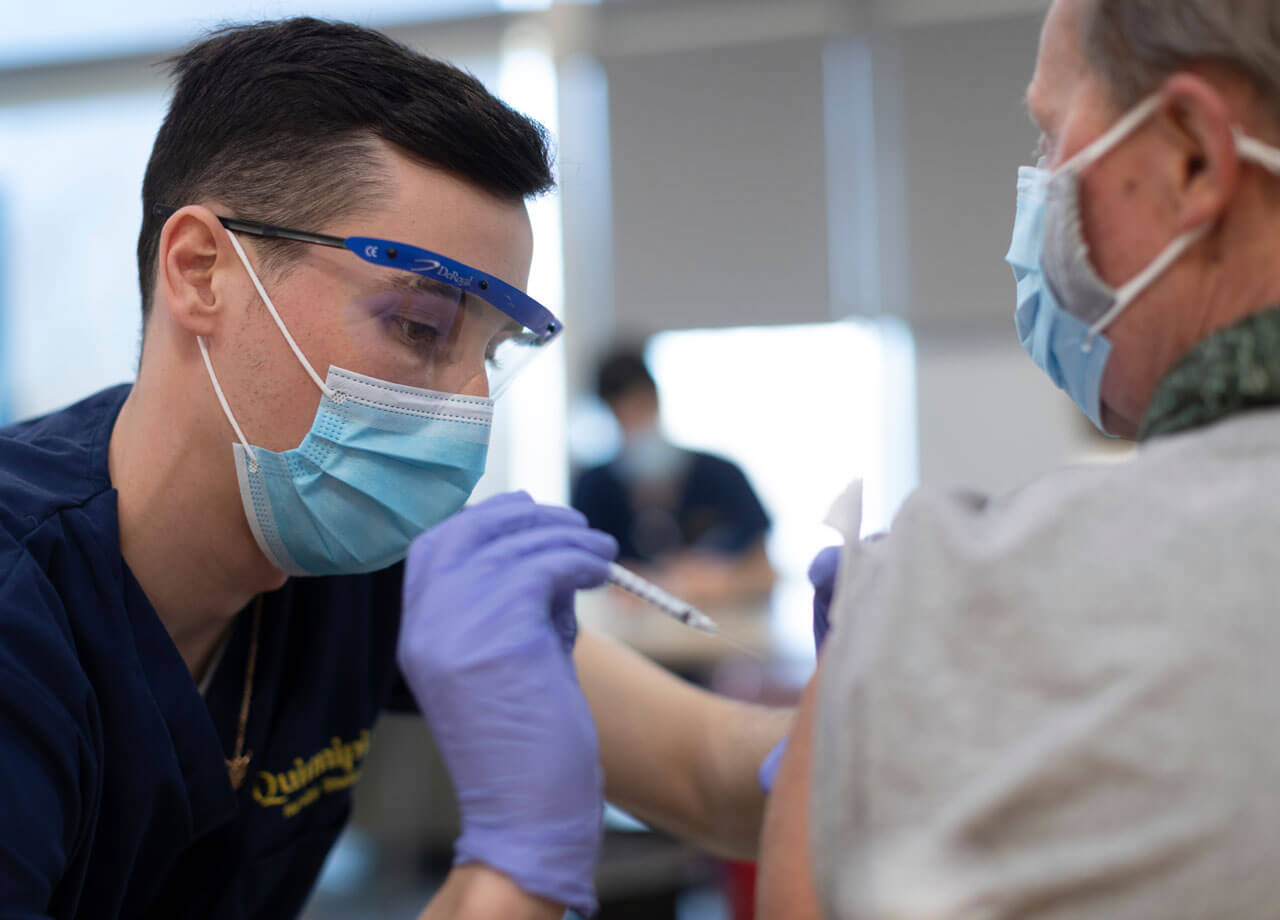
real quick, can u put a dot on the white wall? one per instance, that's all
(719, 199)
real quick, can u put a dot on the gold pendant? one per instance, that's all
(236, 767)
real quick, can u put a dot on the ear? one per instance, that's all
(1208, 167)
(191, 277)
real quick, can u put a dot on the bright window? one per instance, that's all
(804, 410)
(70, 175)
(529, 436)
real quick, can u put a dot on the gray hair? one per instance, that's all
(1136, 44)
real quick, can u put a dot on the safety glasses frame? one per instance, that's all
(512, 301)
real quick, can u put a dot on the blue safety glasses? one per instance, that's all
(425, 315)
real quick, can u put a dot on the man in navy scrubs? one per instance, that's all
(200, 578)
(688, 520)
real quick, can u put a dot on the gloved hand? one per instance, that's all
(822, 575)
(485, 645)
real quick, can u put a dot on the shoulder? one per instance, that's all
(598, 475)
(38, 658)
(1137, 568)
(596, 481)
(50, 740)
(47, 710)
(716, 480)
(711, 473)
(1174, 495)
(56, 461)
(714, 464)
(993, 657)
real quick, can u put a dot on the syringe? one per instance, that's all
(672, 606)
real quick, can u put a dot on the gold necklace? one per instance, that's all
(238, 762)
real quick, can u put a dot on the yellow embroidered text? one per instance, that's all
(334, 768)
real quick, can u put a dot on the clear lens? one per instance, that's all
(425, 333)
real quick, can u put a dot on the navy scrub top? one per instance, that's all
(715, 510)
(115, 800)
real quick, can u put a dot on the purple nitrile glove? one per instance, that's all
(822, 575)
(485, 645)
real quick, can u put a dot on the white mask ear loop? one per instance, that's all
(217, 388)
(1113, 137)
(262, 292)
(1257, 152)
(1129, 292)
(1249, 149)
(1095, 151)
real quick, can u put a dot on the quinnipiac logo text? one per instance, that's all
(329, 770)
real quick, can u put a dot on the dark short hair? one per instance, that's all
(622, 372)
(280, 122)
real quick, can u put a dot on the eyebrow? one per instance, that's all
(427, 285)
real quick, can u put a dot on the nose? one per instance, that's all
(467, 379)
(476, 386)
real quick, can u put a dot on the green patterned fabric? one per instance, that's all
(1229, 372)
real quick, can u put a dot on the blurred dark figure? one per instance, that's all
(687, 520)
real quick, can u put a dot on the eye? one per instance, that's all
(414, 333)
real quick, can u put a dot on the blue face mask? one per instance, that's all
(649, 457)
(1063, 306)
(382, 463)
(1058, 343)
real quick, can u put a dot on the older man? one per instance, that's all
(1062, 703)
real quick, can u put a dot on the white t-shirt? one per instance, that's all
(1065, 703)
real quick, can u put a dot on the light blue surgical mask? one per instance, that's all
(1063, 306)
(1058, 343)
(648, 457)
(381, 463)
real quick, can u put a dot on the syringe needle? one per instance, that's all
(672, 606)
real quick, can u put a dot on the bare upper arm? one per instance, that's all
(786, 886)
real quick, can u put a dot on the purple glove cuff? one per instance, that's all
(768, 773)
(561, 870)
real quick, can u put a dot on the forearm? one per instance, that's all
(739, 736)
(676, 756)
(479, 892)
(753, 573)
(715, 580)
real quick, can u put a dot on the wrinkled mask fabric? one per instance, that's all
(381, 463)
(1063, 306)
(1058, 343)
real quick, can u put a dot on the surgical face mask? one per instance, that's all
(648, 457)
(1063, 306)
(381, 463)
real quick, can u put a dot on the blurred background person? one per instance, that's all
(686, 519)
